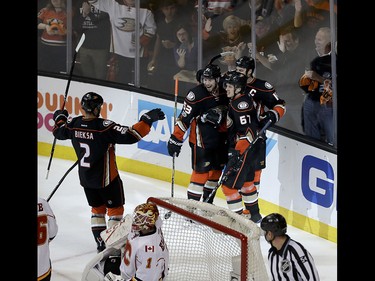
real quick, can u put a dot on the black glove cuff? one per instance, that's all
(175, 141)
(147, 119)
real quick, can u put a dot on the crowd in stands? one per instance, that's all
(288, 46)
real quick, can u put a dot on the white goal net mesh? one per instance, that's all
(207, 242)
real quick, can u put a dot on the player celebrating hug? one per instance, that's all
(238, 187)
(93, 139)
(268, 107)
(204, 111)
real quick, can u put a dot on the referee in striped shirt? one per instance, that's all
(287, 258)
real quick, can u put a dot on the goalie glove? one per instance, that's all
(268, 115)
(113, 277)
(60, 117)
(174, 146)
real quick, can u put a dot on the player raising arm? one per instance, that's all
(268, 106)
(93, 139)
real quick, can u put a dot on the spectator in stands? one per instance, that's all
(186, 56)
(230, 39)
(122, 16)
(288, 13)
(317, 105)
(52, 21)
(186, 52)
(94, 52)
(266, 33)
(47, 230)
(162, 64)
(287, 65)
(315, 14)
(286, 257)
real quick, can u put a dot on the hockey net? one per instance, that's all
(208, 242)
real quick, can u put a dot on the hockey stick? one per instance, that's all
(66, 94)
(223, 54)
(225, 176)
(169, 213)
(64, 176)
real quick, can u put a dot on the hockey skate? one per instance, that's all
(257, 218)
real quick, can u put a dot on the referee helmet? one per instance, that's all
(275, 223)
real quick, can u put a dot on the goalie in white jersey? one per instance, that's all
(144, 253)
(47, 230)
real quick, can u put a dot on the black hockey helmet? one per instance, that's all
(246, 62)
(198, 75)
(237, 79)
(90, 101)
(275, 223)
(211, 71)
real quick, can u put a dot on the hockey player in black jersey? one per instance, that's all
(268, 107)
(204, 112)
(94, 139)
(238, 187)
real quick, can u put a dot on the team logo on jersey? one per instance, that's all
(128, 25)
(190, 96)
(285, 266)
(243, 105)
(268, 85)
(106, 123)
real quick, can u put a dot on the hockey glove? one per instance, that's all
(152, 116)
(60, 117)
(234, 162)
(269, 115)
(174, 146)
(212, 116)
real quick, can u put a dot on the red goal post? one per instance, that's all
(208, 242)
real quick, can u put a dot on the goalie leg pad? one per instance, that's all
(116, 236)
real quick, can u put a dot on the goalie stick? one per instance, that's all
(66, 94)
(225, 176)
